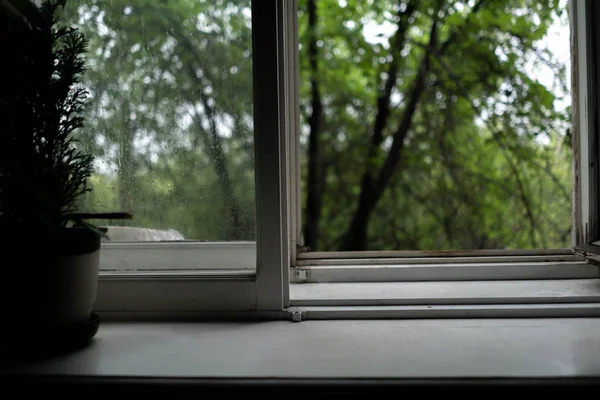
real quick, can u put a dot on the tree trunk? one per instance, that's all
(356, 235)
(371, 189)
(126, 167)
(234, 229)
(314, 192)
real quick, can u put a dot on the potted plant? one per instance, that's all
(50, 252)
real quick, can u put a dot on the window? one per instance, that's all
(247, 263)
(185, 126)
(474, 283)
(456, 152)
(585, 176)
(159, 106)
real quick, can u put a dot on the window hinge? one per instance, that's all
(301, 275)
(302, 249)
(591, 252)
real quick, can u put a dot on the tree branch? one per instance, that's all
(371, 191)
(383, 102)
(505, 153)
(454, 34)
(217, 157)
(356, 236)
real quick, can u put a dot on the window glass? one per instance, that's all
(170, 121)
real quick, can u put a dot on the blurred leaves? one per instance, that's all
(486, 162)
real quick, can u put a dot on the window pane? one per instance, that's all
(435, 125)
(170, 121)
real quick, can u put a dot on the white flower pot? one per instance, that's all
(72, 283)
(51, 281)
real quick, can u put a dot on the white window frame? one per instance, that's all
(586, 107)
(137, 279)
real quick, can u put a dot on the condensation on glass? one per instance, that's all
(170, 121)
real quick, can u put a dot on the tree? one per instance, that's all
(403, 111)
(436, 134)
(163, 104)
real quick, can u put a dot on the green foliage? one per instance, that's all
(172, 126)
(485, 161)
(43, 173)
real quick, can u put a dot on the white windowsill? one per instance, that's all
(473, 348)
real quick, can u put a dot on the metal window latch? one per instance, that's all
(296, 316)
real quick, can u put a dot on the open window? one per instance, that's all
(586, 181)
(390, 149)
(540, 261)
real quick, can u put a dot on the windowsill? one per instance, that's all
(401, 349)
